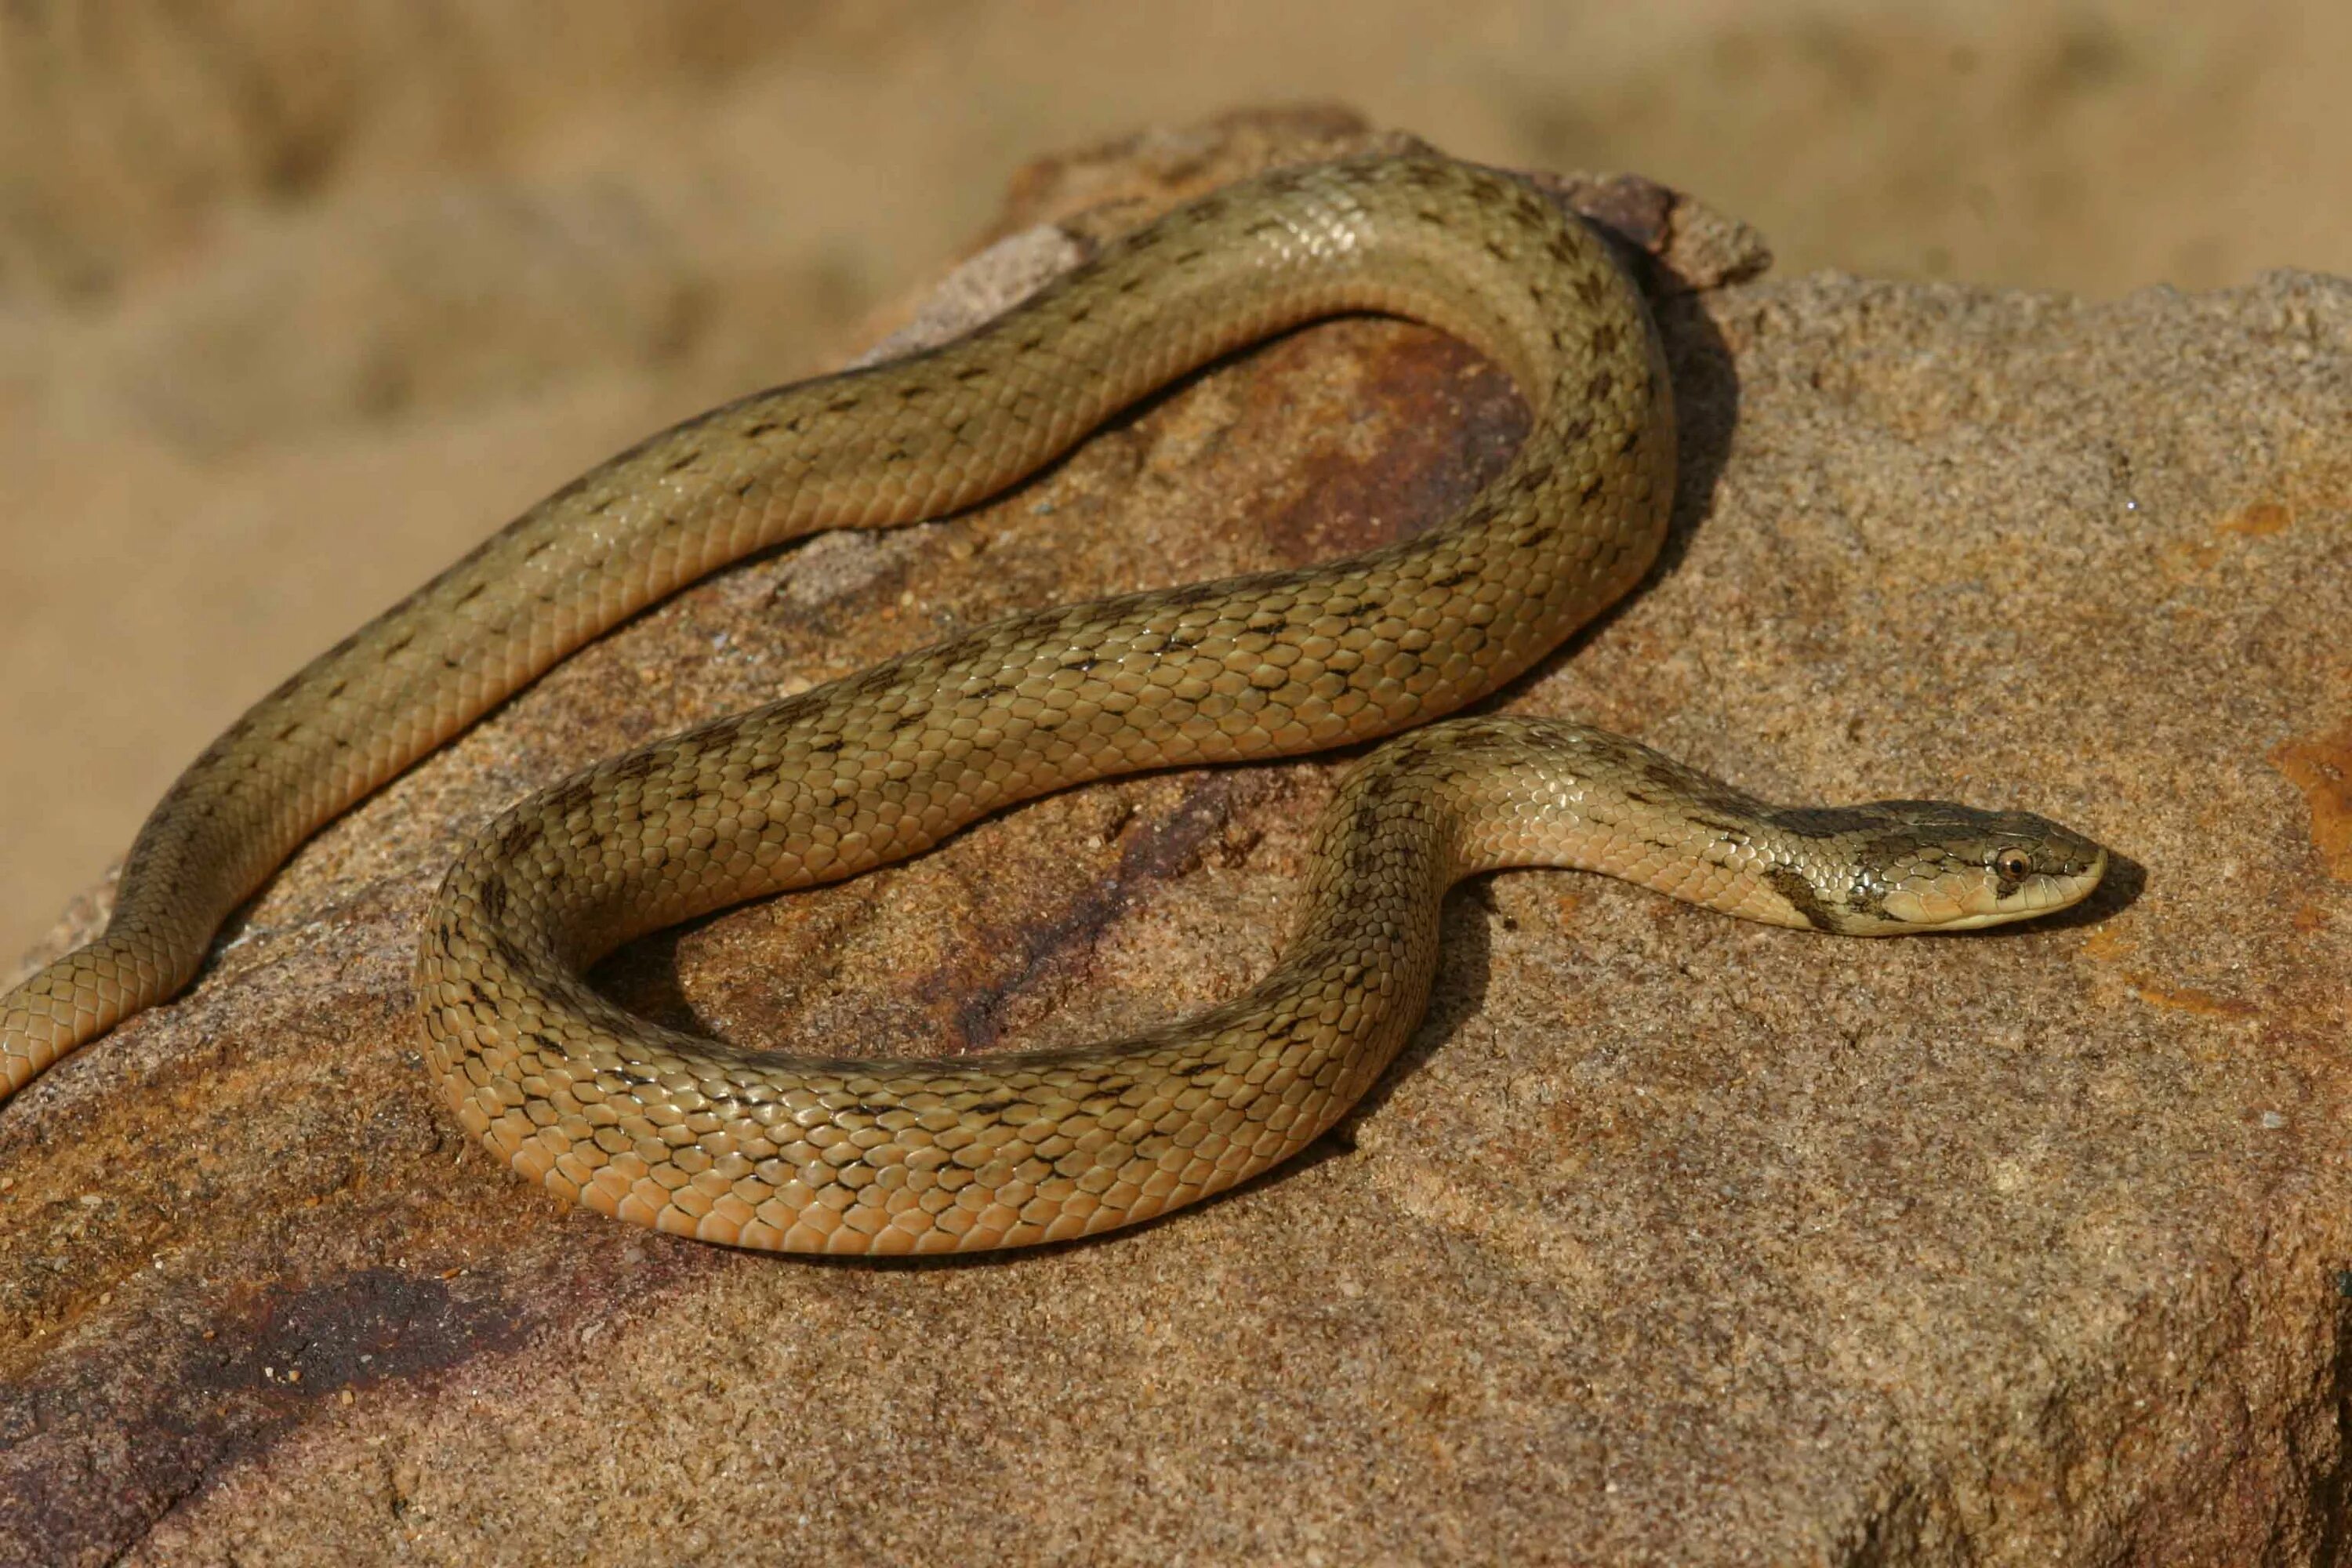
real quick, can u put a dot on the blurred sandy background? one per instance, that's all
(298, 300)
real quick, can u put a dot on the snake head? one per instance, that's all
(1895, 866)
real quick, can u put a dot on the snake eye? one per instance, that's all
(2013, 863)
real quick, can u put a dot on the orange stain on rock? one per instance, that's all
(2186, 558)
(2105, 945)
(2257, 520)
(2189, 999)
(2322, 769)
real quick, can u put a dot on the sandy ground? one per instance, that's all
(298, 301)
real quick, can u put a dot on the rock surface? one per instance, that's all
(1670, 1240)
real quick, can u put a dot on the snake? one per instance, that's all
(878, 1155)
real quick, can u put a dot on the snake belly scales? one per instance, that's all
(879, 1156)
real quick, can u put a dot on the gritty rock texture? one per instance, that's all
(1670, 1240)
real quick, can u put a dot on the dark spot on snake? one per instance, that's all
(472, 594)
(1606, 338)
(913, 393)
(599, 507)
(896, 455)
(844, 405)
(518, 835)
(568, 799)
(1592, 487)
(972, 372)
(1735, 831)
(337, 690)
(753, 432)
(1452, 579)
(1791, 885)
(493, 898)
(1558, 338)
(1495, 250)
(723, 732)
(1591, 289)
(636, 767)
(741, 491)
(391, 648)
(825, 747)
(871, 682)
(1192, 594)
(1602, 383)
(536, 550)
(688, 461)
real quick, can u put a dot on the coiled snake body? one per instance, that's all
(887, 1156)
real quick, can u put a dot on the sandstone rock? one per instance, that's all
(1671, 1239)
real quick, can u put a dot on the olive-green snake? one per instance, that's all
(888, 1155)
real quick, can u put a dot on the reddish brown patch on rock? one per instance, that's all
(205, 1397)
(1448, 422)
(2322, 769)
